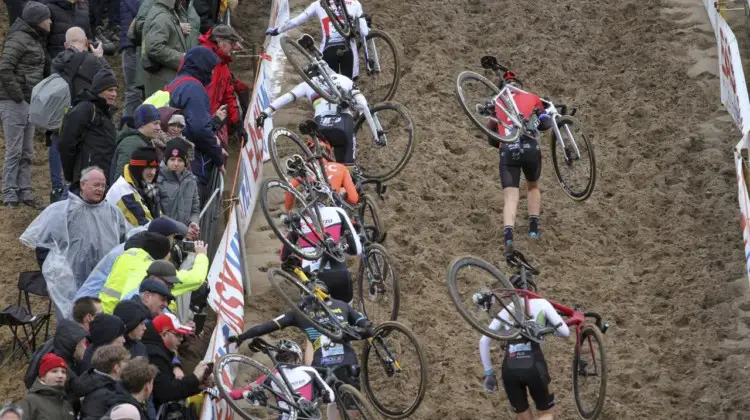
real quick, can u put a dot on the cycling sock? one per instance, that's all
(534, 224)
(508, 234)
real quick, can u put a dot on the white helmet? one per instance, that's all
(288, 348)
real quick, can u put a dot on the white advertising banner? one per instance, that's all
(743, 198)
(733, 87)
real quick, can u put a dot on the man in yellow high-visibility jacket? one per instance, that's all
(132, 267)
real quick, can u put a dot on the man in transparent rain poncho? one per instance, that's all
(72, 235)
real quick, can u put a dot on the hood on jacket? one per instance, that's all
(205, 40)
(48, 390)
(199, 62)
(90, 381)
(67, 336)
(165, 114)
(98, 101)
(128, 131)
(63, 4)
(22, 26)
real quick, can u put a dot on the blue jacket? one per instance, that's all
(128, 10)
(192, 99)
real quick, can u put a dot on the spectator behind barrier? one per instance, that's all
(99, 386)
(144, 134)
(191, 97)
(172, 125)
(223, 40)
(133, 95)
(178, 188)
(69, 342)
(22, 66)
(162, 225)
(135, 192)
(65, 15)
(47, 398)
(134, 315)
(138, 381)
(85, 310)
(71, 236)
(105, 330)
(88, 133)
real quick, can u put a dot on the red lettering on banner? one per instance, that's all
(726, 61)
(229, 306)
(255, 153)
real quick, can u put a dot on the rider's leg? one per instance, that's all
(309, 353)
(333, 411)
(534, 202)
(545, 414)
(526, 415)
(532, 171)
(510, 197)
(510, 178)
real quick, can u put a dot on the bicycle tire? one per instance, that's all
(460, 94)
(289, 47)
(232, 357)
(394, 82)
(316, 218)
(366, 369)
(273, 275)
(362, 405)
(590, 330)
(376, 232)
(412, 139)
(371, 250)
(274, 152)
(344, 29)
(589, 189)
(461, 262)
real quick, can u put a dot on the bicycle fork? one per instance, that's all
(389, 362)
(571, 153)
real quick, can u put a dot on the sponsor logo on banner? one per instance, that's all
(733, 88)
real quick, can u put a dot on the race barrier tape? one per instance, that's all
(225, 277)
(734, 96)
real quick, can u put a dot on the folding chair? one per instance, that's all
(20, 319)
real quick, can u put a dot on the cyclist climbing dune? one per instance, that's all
(656, 249)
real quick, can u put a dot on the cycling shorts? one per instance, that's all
(338, 280)
(344, 374)
(535, 379)
(340, 58)
(524, 155)
(338, 130)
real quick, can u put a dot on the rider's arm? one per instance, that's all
(279, 323)
(360, 104)
(299, 91)
(289, 197)
(358, 13)
(484, 344)
(352, 196)
(324, 388)
(311, 10)
(554, 319)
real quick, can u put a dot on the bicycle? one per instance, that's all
(483, 301)
(377, 138)
(276, 387)
(496, 104)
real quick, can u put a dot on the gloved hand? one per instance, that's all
(490, 383)
(272, 31)
(233, 339)
(261, 119)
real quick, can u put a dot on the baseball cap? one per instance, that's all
(164, 270)
(155, 286)
(167, 226)
(225, 32)
(169, 322)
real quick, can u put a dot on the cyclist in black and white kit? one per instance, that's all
(335, 123)
(342, 58)
(524, 367)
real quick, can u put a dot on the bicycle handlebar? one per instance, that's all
(519, 260)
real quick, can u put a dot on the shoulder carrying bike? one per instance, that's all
(485, 103)
(481, 292)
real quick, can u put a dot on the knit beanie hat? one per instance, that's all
(51, 361)
(144, 157)
(132, 314)
(144, 114)
(177, 119)
(35, 13)
(176, 148)
(105, 328)
(156, 245)
(103, 80)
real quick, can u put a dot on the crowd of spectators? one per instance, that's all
(120, 240)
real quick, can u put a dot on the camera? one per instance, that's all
(187, 246)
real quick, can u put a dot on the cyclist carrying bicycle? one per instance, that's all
(523, 155)
(341, 56)
(338, 356)
(305, 380)
(524, 367)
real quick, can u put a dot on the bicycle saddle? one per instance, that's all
(489, 62)
(307, 42)
(308, 127)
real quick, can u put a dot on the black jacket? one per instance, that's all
(81, 77)
(136, 348)
(87, 137)
(22, 63)
(100, 393)
(64, 16)
(123, 397)
(166, 387)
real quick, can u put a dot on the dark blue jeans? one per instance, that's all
(55, 165)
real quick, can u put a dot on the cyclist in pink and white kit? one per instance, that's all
(342, 58)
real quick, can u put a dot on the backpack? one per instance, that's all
(160, 98)
(51, 98)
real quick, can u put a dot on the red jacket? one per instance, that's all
(222, 88)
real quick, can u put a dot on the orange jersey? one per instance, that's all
(339, 179)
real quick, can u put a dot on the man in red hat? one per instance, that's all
(47, 398)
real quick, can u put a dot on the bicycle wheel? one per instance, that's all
(394, 370)
(377, 285)
(576, 171)
(303, 219)
(339, 18)
(246, 371)
(352, 404)
(589, 373)
(369, 213)
(470, 278)
(476, 95)
(384, 160)
(307, 67)
(380, 71)
(283, 144)
(302, 300)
